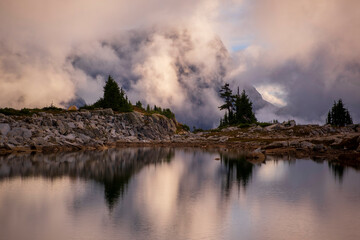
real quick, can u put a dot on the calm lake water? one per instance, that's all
(162, 193)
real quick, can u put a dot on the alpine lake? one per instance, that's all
(175, 193)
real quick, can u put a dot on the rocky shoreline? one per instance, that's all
(101, 129)
(46, 132)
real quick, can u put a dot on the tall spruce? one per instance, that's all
(226, 94)
(339, 115)
(243, 109)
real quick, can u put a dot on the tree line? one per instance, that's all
(163, 111)
(115, 98)
(239, 110)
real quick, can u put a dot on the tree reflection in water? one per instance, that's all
(337, 170)
(237, 169)
(114, 168)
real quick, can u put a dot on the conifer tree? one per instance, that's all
(339, 115)
(114, 97)
(226, 94)
(138, 104)
(239, 107)
(243, 109)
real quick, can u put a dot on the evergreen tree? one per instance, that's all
(239, 107)
(339, 115)
(114, 97)
(138, 104)
(243, 109)
(226, 119)
(226, 94)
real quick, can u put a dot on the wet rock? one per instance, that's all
(319, 148)
(9, 146)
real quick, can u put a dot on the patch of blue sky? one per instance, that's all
(239, 47)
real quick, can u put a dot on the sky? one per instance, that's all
(300, 55)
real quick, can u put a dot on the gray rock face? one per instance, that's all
(94, 128)
(4, 128)
(18, 131)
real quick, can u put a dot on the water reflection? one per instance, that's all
(162, 193)
(237, 169)
(112, 168)
(338, 170)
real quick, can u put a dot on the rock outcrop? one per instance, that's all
(81, 129)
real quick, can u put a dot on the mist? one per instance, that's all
(301, 56)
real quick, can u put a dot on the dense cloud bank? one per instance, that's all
(300, 55)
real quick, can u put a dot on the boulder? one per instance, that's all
(319, 148)
(279, 144)
(306, 145)
(347, 143)
(85, 114)
(71, 125)
(4, 128)
(275, 127)
(70, 137)
(290, 123)
(19, 131)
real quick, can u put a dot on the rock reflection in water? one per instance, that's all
(112, 168)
